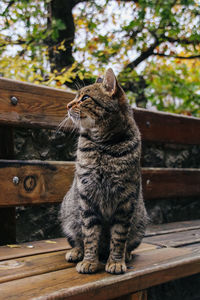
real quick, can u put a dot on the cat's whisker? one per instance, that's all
(77, 83)
(62, 124)
(77, 87)
(83, 85)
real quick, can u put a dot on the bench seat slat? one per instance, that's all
(160, 229)
(35, 264)
(150, 268)
(14, 251)
(46, 246)
(47, 182)
(32, 265)
(175, 239)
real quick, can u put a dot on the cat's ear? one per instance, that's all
(110, 82)
(99, 80)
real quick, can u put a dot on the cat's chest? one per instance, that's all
(101, 185)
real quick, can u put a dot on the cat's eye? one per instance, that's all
(84, 98)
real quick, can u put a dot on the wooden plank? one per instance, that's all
(32, 265)
(195, 248)
(175, 239)
(39, 182)
(36, 106)
(26, 266)
(166, 127)
(160, 229)
(14, 251)
(7, 215)
(43, 106)
(150, 268)
(164, 183)
(46, 182)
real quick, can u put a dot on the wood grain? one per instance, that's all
(149, 268)
(166, 127)
(175, 239)
(40, 106)
(33, 265)
(160, 229)
(167, 183)
(15, 251)
(47, 182)
(30, 265)
(37, 105)
(39, 182)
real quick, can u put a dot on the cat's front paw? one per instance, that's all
(116, 267)
(74, 255)
(87, 267)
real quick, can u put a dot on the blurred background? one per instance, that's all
(152, 45)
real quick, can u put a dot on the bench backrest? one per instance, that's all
(33, 182)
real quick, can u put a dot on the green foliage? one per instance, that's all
(174, 86)
(145, 41)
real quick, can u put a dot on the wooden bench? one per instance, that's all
(38, 270)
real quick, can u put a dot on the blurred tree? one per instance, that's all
(154, 46)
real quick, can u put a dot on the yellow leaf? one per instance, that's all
(50, 242)
(14, 246)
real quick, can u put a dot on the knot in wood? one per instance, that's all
(30, 183)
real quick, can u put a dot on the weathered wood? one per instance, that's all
(175, 239)
(37, 105)
(7, 215)
(150, 268)
(195, 248)
(44, 262)
(46, 182)
(13, 251)
(166, 127)
(40, 106)
(164, 183)
(172, 227)
(32, 265)
(39, 182)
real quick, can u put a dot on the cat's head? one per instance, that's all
(98, 102)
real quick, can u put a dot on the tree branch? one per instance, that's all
(180, 41)
(8, 6)
(144, 55)
(176, 56)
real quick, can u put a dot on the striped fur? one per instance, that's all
(103, 214)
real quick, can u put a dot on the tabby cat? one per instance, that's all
(103, 214)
